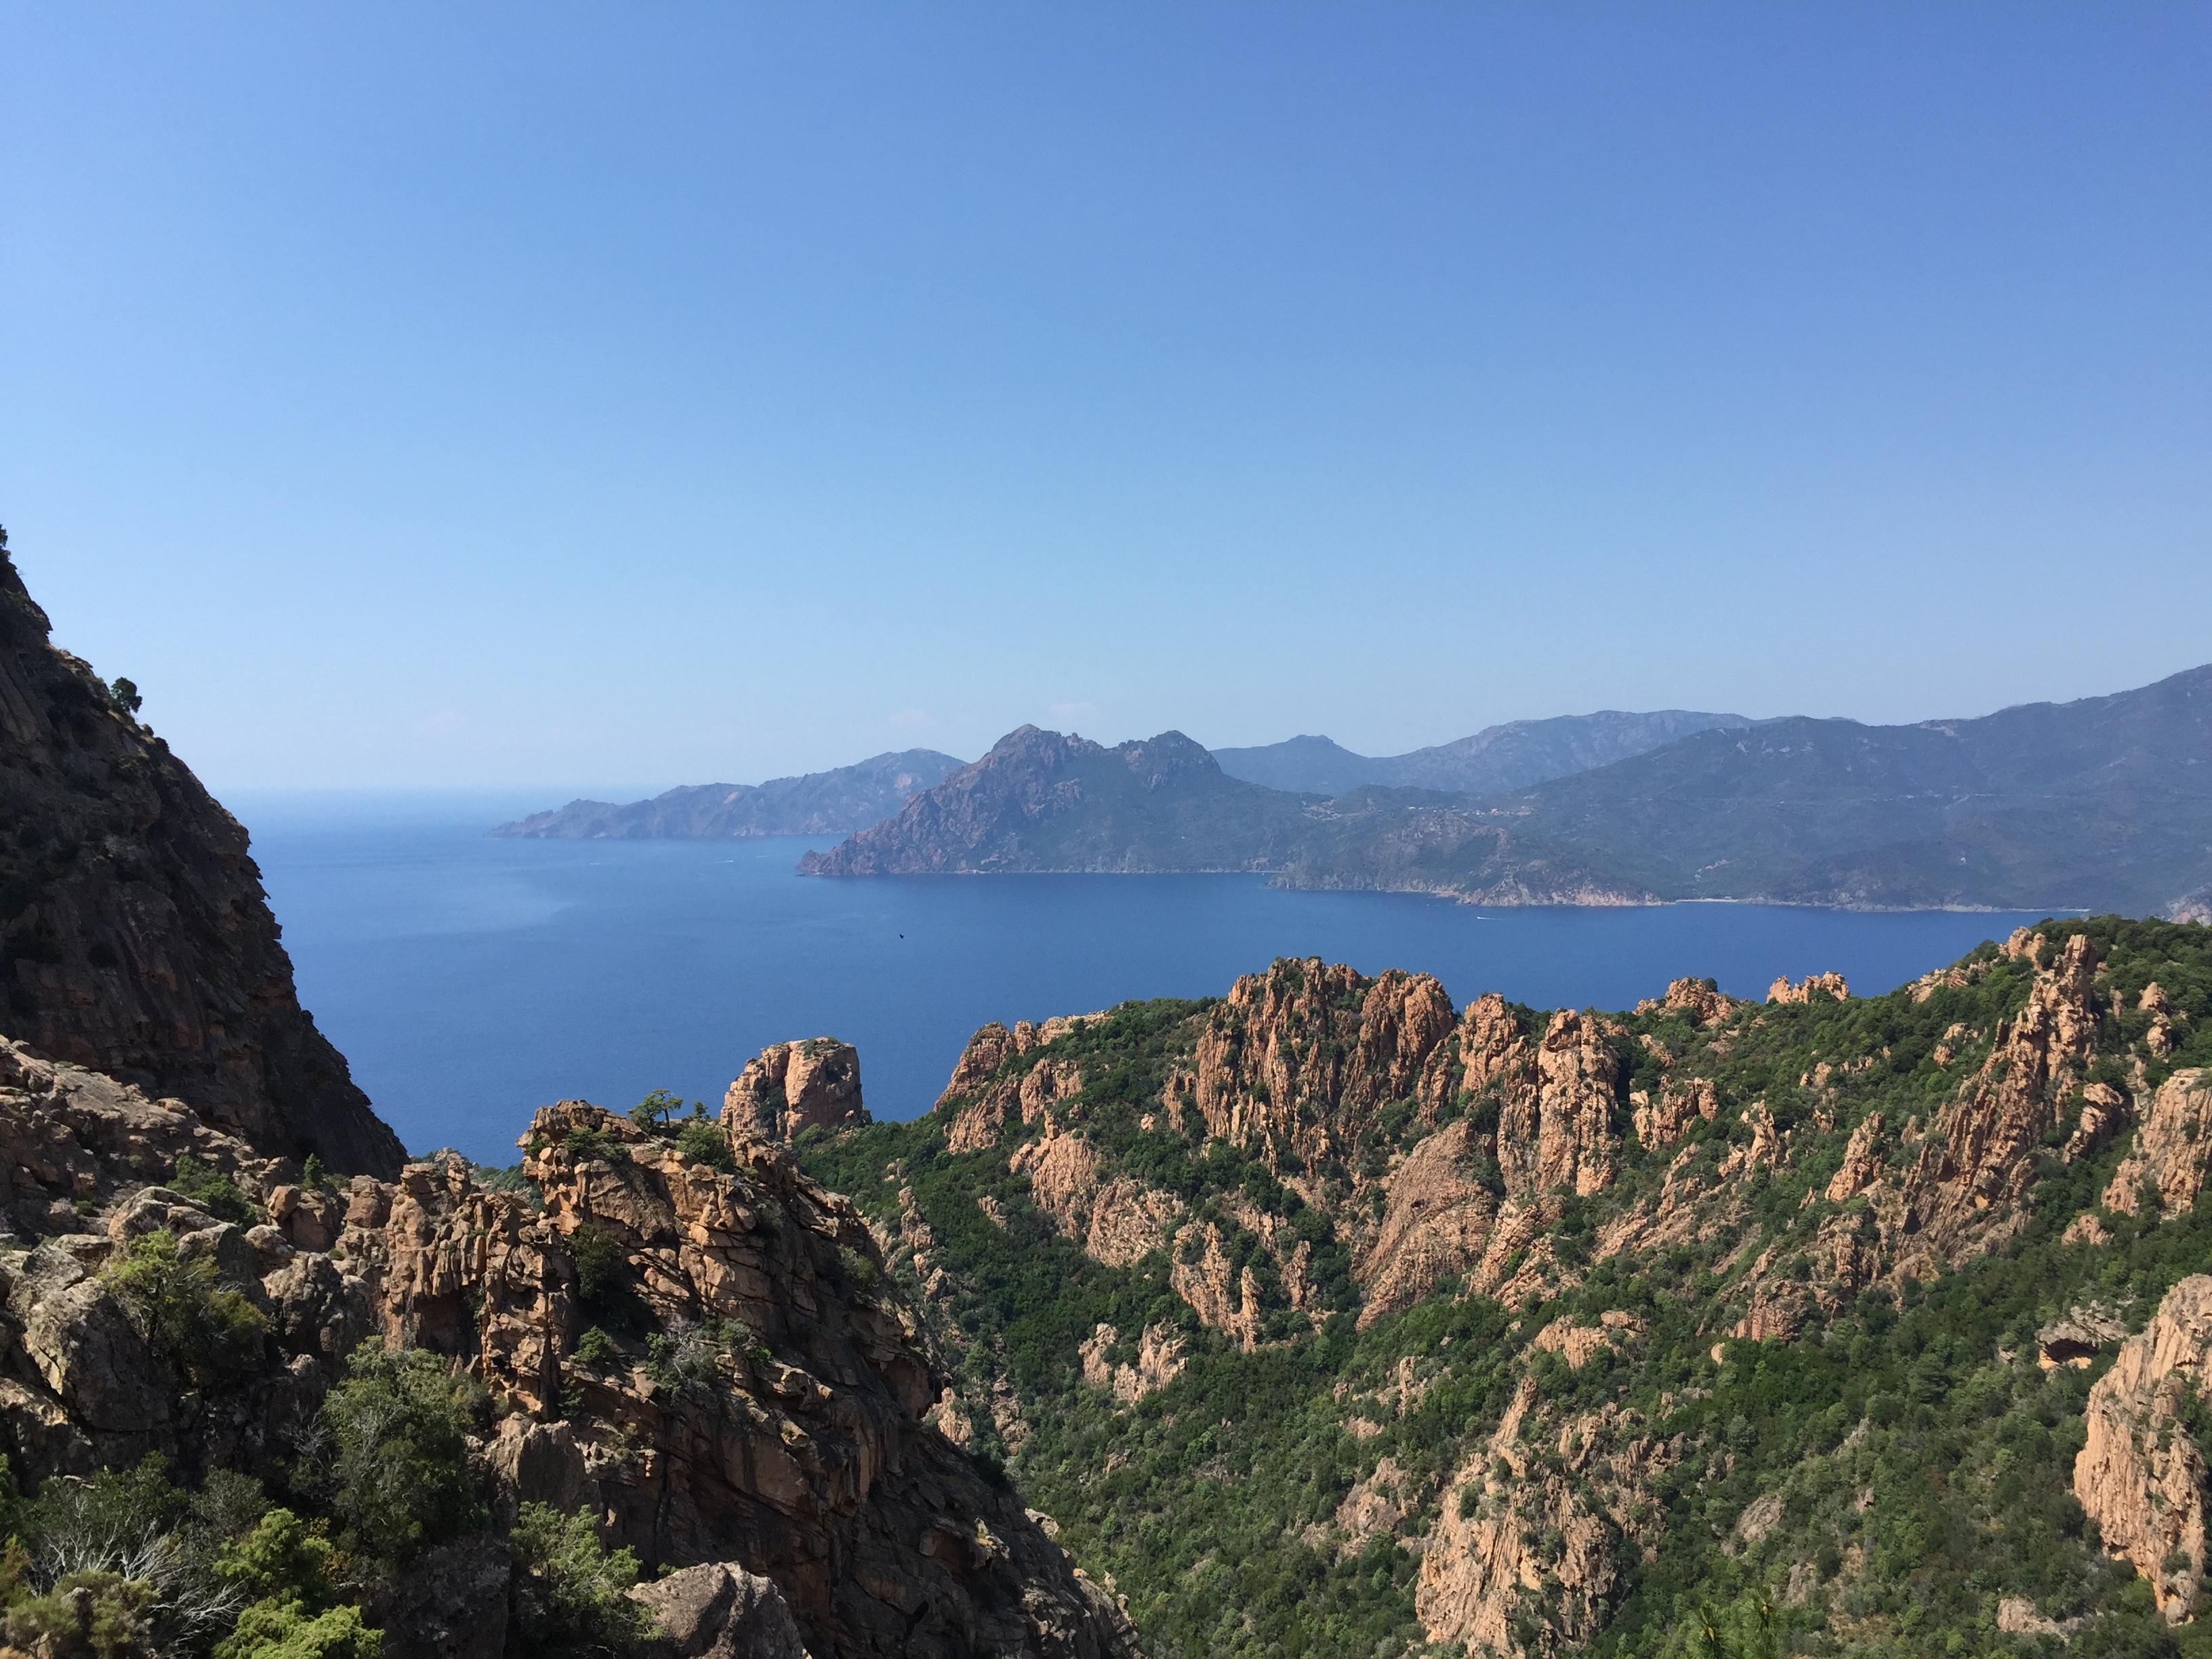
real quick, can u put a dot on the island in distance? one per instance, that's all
(834, 803)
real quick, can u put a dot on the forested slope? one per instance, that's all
(1327, 1318)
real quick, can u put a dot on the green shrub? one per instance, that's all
(398, 1459)
(703, 1141)
(283, 1558)
(586, 1144)
(508, 1178)
(98, 1613)
(213, 1191)
(182, 1311)
(596, 1348)
(568, 1597)
(653, 1112)
(603, 1284)
(286, 1630)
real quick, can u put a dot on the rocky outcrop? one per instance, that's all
(1961, 1194)
(1662, 1122)
(1862, 1161)
(2171, 1148)
(1830, 987)
(2140, 1474)
(795, 1086)
(1162, 1353)
(774, 1422)
(720, 1610)
(135, 937)
(1298, 1059)
(1524, 1555)
(1436, 1221)
(1698, 1000)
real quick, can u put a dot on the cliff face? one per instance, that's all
(773, 1427)
(135, 938)
(2141, 1474)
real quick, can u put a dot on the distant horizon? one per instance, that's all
(621, 794)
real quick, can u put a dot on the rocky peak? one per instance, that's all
(135, 937)
(1700, 999)
(1300, 1058)
(1156, 760)
(1830, 985)
(791, 1086)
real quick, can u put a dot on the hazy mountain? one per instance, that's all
(1494, 760)
(2106, 803)
(817, 803)
(1043, 801)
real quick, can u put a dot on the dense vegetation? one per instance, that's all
(1904, 1461)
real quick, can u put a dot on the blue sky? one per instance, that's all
(619, 396)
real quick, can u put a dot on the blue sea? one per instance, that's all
(470, 980)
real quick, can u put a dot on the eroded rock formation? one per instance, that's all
(795, 1086)
(2140, 1474)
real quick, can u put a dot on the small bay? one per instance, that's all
(469, 980)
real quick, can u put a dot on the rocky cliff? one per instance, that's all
(135, 938)
(791, 1087)
(759, 1408)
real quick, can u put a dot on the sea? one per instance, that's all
(470, 979)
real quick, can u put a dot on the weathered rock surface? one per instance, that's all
(1533, 1547)
(2140, 1475)
(137, 941)
(720, 1610)
(780, 1432)
(1299, 1059)
(2171, 1147)
(795, 1086)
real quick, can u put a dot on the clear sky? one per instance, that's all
(628, 395)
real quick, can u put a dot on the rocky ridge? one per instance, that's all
(135, 938)
(1321, 1152)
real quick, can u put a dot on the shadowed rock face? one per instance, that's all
(135, 938)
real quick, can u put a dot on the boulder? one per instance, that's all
(720, 1610)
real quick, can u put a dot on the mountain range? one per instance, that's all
(2105, 803)
(851, 797)
(1495, 759)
